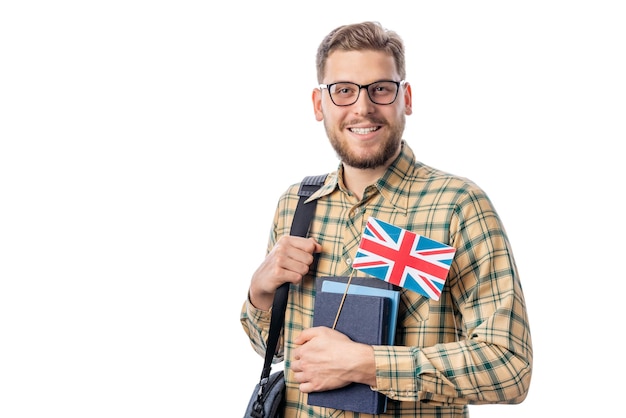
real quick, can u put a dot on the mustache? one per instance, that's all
(361, 121)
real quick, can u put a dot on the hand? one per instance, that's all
(288, 261)
(327, 359)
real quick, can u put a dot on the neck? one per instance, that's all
(356, 179)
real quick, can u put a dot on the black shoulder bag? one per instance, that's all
(267, 400)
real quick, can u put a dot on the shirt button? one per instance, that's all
(348, 261)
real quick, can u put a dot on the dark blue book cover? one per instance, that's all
(365, 319)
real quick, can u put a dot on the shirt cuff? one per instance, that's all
(259, 316)
(395, 372)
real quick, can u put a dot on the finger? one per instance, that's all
(305, 336)
(309, 245)
(305, 387)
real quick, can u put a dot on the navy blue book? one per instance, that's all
(365, 319)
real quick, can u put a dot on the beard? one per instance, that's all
(386, 150)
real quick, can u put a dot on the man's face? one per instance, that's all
(363, 134)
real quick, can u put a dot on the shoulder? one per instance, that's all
(446, 185)
(308, 188)
(423, 179)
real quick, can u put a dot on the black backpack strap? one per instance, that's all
(304, 213)
(299, 227)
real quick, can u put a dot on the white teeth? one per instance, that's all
(363, 131)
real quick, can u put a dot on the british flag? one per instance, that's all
(403, 258)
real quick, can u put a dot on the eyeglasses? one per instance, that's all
(345, 93)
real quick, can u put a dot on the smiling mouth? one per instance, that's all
(363, 131)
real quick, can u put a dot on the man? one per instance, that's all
(473, 345)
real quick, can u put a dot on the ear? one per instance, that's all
(408, 99)
(317, 104)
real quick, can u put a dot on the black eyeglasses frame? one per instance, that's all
(366, 87)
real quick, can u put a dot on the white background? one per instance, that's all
(143, 146)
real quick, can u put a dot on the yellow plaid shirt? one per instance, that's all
(472, 346)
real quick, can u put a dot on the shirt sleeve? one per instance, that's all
(256, 325)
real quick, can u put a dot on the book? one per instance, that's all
(363, 318)
(394, 295)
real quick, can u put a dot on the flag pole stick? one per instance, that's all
(343, 298)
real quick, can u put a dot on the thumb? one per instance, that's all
(318, 246)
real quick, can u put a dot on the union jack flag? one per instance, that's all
(403, 258)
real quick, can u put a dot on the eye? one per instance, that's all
(383, 88)
(345, 89)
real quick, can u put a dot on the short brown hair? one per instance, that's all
(358, 37)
